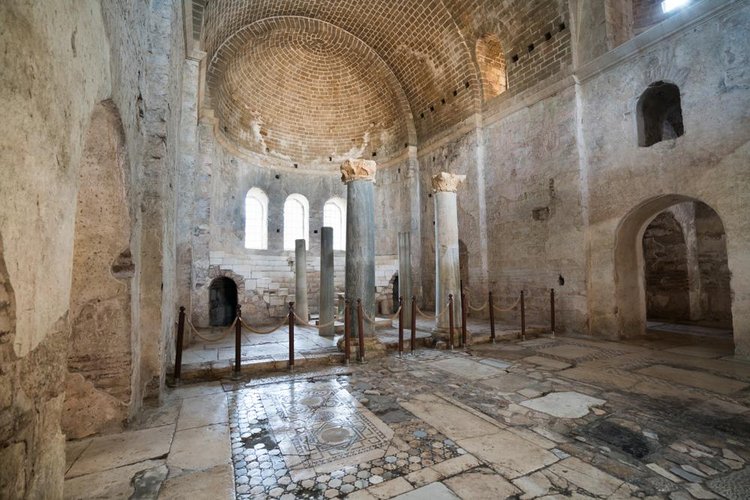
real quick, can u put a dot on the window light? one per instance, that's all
(670, 5)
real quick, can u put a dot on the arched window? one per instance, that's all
(256, 219)
(659, 114)
(491, 62)
(296, 220)
(334, 215)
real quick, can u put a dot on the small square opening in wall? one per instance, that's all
(374, 154)
(514, 58)
(467, 84)
(548, 36)
(455, 93)
(561, 26)
(531, 47)
(432, 109)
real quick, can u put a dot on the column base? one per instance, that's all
(374, 348)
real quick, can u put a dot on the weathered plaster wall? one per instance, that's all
(709, 163)
(60, 59)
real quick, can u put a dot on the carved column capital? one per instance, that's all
(358, 170)
(445, 182)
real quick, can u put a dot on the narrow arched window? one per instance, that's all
(256, 219)
(296, 220)
(491, 62)
(659, 114)
(334, 215)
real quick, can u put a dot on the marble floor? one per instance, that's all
(565, 417)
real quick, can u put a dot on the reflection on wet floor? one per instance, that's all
(547, 417)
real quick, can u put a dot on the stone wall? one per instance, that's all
(705, 164)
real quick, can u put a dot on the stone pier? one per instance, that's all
(327, 291)
(405, 289)
(359, 177)
(300, 291)
(447, 270)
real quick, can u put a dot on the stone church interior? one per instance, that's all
(375, 249)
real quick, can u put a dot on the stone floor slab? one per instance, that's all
(564, 404)
(586, 476)
(109, 452)
(509, 454)
(451, 420)
(569, 351)
(467, 368)
(434, 491)
(216, 483)
(202, 411)
(546, 363)
(483, 483)
(200, 448)
(693, 378)
(111, 484)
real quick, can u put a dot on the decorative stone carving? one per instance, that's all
(355, 170)
(445, 182)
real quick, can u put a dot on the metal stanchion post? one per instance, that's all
(361, 331)
(463, 320)
(552, 309)
(237, 343)
(413, 323)
(523, 317)
(291, 336)
(492, 318)
(347, 333)
(450, 319)
(178, 346)
(400, 326)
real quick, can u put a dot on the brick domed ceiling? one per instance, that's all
(308, 93)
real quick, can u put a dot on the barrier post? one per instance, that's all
(413, 323)
(463, 320)
(237, 343)
(400, 327)
(178, 346)
(291, 336)
(492, 318)
(347, 333)
(361, 331)
(523, 317)
(552, 309)
(450, 318)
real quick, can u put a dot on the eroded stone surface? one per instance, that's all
(564, 404)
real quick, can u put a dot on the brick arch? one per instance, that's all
(308, 92)
(217, 272)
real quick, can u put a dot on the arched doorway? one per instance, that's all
(222, 298)
(671, 264)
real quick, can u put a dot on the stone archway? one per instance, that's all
(222, 297)
(630, 275)
(101, 385)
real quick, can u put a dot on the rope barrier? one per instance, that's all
(209, 339)
(264, 332)
(435, 316)
(391, 318)
(511, 308)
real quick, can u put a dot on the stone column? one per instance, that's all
(327, 290)
(359, 177)
(300, 290)
(447, 270)
(405, 289)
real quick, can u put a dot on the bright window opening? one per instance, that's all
(256, 220)
(334, 215)
(670, 5)
(296, 221)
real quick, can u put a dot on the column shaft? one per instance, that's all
(360, 248)
(447, 270)
(405, 289)
(326, 281)
(300, 291)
